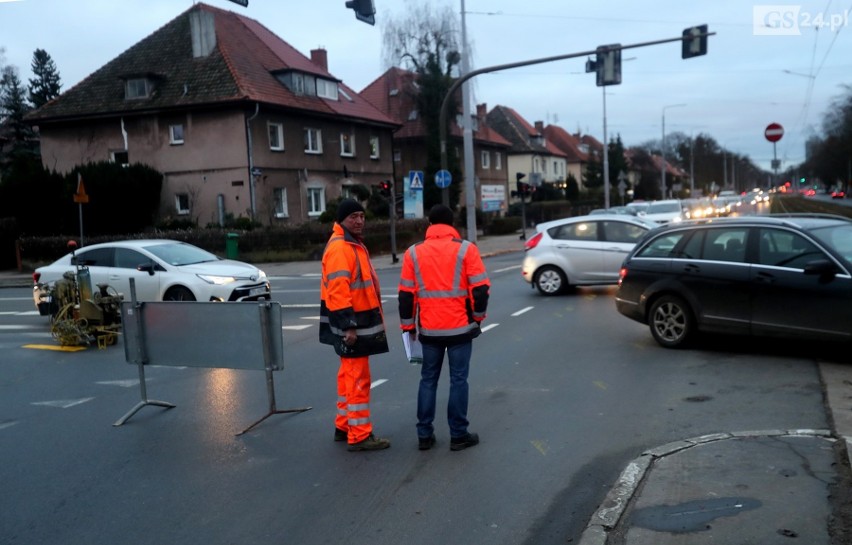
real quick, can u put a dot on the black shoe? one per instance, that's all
(425, 443)
(340, 435)
(370, 443)
(461, 443)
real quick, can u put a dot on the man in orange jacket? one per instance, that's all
(443, 292)
(351, 320)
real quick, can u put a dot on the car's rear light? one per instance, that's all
(533, 242)
(621, 274)
(36, 276)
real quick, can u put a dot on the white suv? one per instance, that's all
(664, 212)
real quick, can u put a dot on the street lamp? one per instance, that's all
(663, 150)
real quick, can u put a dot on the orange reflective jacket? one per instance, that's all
(443, 287)
(350, 297)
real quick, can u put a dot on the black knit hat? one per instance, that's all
(347, 207)
(440, 214)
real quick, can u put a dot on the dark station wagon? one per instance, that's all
(775, 275)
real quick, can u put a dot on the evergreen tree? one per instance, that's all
(13, 108)
(45, 85)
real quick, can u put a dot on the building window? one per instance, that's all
(182, 204)
(485, 156)
(374, 147)
(326, 89)
(279, 194)
(176, 134)
(136, 88)
(119, 157)
(347, 144)
(313, 141)
(276, 136)
(316, 201)
(498, 161)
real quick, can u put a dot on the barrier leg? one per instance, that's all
(145, 401)
(270, 392)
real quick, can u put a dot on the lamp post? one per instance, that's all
(663, 149)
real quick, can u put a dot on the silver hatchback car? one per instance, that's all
(580, 251)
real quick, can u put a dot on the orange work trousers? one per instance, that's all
(353, 398)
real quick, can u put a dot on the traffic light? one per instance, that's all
(608, 65)
(385, 188)
(802, 180)
(694, 44)
(365, 10)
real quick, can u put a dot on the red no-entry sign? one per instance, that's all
(773, 132)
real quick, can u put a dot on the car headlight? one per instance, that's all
(217, 280)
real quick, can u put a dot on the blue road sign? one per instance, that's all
(415, 179)
(443, 178)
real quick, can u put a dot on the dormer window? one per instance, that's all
(137, 88)
(303, 84)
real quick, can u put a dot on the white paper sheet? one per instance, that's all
(413, 349)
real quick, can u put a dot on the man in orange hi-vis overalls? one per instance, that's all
(351, 321)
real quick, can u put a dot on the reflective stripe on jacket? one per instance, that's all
(350, 297)
(443, 287)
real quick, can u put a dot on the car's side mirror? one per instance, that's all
(821, 267)
(146, 267)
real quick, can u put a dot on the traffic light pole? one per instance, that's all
(442, 118)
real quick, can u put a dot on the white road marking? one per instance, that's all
(489, 326)
(504, 269)
(296, 327)
(523, 310)
(18, 327)
(305, 305)
(378, 382)
(63, 403)
(5, 425)
(310, 318)
(130, 383)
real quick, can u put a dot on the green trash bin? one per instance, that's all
(231, 248)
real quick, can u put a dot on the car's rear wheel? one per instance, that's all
(550, 281)
(178, 293)
(671, 321)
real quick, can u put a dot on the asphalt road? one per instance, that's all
(564, 392)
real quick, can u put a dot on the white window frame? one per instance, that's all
(179, 205)
(374, 147)
(176, 134)
(327, 89)
(313, 140)
(136, 88)
(485, 159)
(316, 201)
(498, 161)
(279, 195)
(275, 131)
(347, 144)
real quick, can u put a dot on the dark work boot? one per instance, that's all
(461, 443)
(370, 443)
(425, 443)
(340, 435)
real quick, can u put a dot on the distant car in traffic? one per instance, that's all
(578, 251)
(666, 211)
(838, 194)
(774, 275)
(163, 270)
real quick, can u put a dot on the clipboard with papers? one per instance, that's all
(413, 349)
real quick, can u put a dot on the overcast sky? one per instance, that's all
(787, 70)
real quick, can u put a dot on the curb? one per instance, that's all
(609, 513)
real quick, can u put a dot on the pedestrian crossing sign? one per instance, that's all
(415, 178)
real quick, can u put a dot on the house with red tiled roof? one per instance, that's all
(531, 154)
(238, 121)
(577, 153)
(395, 94)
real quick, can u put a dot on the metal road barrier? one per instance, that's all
(223, 335)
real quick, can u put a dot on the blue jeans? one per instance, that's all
(430, 372)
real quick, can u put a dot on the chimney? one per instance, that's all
(320, 57)
(539, 127)
(481, 110)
